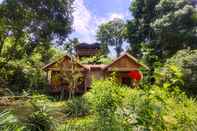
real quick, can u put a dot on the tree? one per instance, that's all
(69, 46)
(139, 29)
(34, 22)
(166, 25)
(175, 26)
(111, 34)
(71, 77)
(28, 31)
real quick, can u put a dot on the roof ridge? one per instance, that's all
(128, 55)
(66, 55)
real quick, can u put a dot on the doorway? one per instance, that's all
(126, 81)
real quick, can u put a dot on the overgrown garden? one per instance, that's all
(162, 34)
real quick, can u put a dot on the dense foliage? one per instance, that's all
(163, 33)
(186, 60)
(28, 29)
(105, 97)
(97, 59)
(37, 21)
(153, 108)
(25, 74)
(158, 109)
(166, 25)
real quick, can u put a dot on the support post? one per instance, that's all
(49, 76)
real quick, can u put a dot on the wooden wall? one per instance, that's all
(86, 52)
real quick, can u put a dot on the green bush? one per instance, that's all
(169, 74)
(8, 122)
(40, 120)
(105, 97)
(157, 108)
(76, 107)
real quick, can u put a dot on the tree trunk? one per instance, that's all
(70, 92)
(62, 93)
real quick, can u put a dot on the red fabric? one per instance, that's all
(135, 74)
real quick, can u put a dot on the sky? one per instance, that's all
(89, 14)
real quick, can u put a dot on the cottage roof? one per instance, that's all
(64, 57)
(98, 66)
(88, 46)
(129, 56)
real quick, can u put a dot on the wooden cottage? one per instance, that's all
(122, 66)
(86, 50)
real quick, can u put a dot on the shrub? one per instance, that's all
(76, 107)
(105, 97)
(142, 111)
(170, 74)
(8, 122)
(158, 109)
(40, 120)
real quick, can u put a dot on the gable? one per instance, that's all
(64, 61)
(124, 63)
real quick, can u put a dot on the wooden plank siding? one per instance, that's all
(86, 52)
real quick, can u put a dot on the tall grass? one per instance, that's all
(76, 107)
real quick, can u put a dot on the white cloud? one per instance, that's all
(86, 23)
(82, 19)
(116, 15)
(111, 16)
(82, 16)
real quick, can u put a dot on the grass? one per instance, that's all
(78, 124)
(23, 108)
